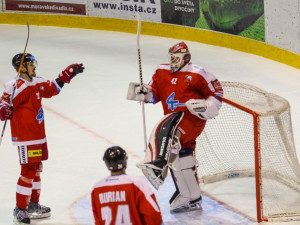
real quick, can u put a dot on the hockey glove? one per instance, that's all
(6, 113)
(196, 107)
(70, 72)
(136, 93)
(204, 109)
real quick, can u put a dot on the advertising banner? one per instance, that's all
(77, 7)
(240, 17)
(181, 12)
(149, 10)
(243, 17)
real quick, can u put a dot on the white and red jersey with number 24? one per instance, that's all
(124, 199)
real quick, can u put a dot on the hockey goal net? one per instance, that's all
(249, 148)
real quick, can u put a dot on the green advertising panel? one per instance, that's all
(240, 17)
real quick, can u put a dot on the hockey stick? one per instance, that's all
(141, 74)
(15, 85)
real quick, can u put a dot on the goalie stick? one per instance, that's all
(15, 85)
(141, 75)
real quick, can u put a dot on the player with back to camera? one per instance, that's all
(190, 96)
(28, 132)
(121, 198)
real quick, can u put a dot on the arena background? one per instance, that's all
(265, 29)
(94, 44)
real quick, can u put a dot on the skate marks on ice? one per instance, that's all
(81, 211)
(47, 221)
(212, 213)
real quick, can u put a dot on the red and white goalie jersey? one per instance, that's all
(124, 199)
(27, 124)
(190, 82)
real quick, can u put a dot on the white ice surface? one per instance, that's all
(92, 112)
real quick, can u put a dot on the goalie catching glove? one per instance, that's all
(204, 109)
(136, 93)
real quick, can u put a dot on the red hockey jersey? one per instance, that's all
(124, 199)
(175, 89)
(27, 124)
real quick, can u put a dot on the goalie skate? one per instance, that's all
(192, 206)
(37, 211)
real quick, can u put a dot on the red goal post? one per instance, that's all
(252, 138)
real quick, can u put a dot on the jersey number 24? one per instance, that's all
(122, 217)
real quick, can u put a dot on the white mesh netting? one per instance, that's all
(226, 148)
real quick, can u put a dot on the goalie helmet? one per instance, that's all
(115, 158)
(179, 56)
(16, 61)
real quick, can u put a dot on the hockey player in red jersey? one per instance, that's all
(189, 95)
(123, 199)
(23, 107)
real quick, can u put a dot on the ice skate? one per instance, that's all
(21, 216)
(191, 206)
(37, 211)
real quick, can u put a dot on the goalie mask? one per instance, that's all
(179, 56)
(115, 158)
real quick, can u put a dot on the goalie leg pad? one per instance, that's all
(163, 146)
(162, 137)
(185, 180)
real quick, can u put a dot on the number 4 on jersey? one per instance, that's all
(172, 103)
(122, 217)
